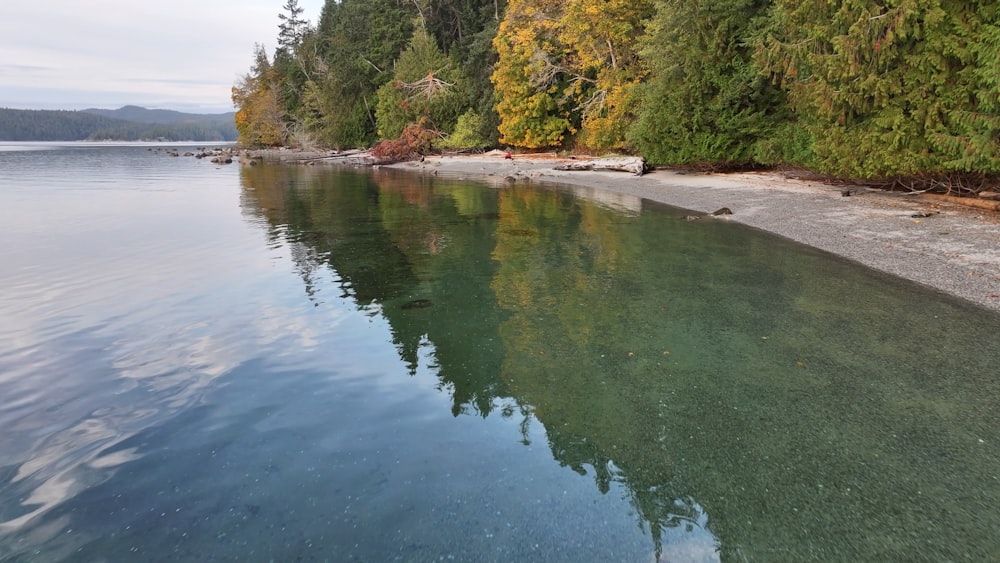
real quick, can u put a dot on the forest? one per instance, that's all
(129, 123)
(891, 91)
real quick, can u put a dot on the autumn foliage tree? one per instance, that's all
(259, 119)
(527, 77)
(568, 68)
(603, 36)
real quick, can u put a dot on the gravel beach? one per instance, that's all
(951, 248)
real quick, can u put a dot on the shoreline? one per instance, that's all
(951, 248)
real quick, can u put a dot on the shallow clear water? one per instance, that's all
(202, 362)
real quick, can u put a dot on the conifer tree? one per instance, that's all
(706, 101)
(292, 28)
(290, 59)
(465, 30)
(426, 83)
(359, 41)
(891, 87)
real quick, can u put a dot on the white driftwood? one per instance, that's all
(633, 164)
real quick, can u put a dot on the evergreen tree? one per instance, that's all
(706, 100)
(358, 41)
(891, 87)
(465, 30)
(292, 28)
(292, 59)
(425, 84)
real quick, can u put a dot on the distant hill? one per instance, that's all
(129, 123)
(144, 115)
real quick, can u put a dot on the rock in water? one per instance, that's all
(417, 304)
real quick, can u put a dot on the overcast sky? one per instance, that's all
(172, 54)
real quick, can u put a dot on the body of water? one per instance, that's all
(204, 362)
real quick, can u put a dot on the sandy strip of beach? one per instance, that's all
(951, 248)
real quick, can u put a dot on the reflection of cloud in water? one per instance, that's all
(202, 351)
(171, 370)
(65, 461)
(687, 537)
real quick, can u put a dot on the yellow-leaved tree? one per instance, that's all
(568, 67)
(528, 78)
(602, 35)
(258, 118)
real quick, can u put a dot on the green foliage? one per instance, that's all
(854, 88)
(465, 30)
(789, 143)
(326, 80)
(895, 87)
(467, 134)
(356, 42)
(426, 84)
(292, 28)
(706, 101)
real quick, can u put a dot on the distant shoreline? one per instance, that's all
(128, 123)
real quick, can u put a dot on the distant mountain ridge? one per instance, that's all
(128, 123)
(143, 115)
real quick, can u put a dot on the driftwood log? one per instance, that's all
(357, 158)
(970, 201)
(633, 164)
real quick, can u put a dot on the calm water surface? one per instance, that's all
(203, 362)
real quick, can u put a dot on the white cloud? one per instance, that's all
(183, 54)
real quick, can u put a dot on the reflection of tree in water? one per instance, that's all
(397, 249)
(472, 273)
(670, 360)
(583, 348)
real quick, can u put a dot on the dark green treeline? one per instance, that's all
(855, 89)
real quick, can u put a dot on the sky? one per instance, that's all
(183, 55)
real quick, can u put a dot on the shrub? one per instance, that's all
(466, 135)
